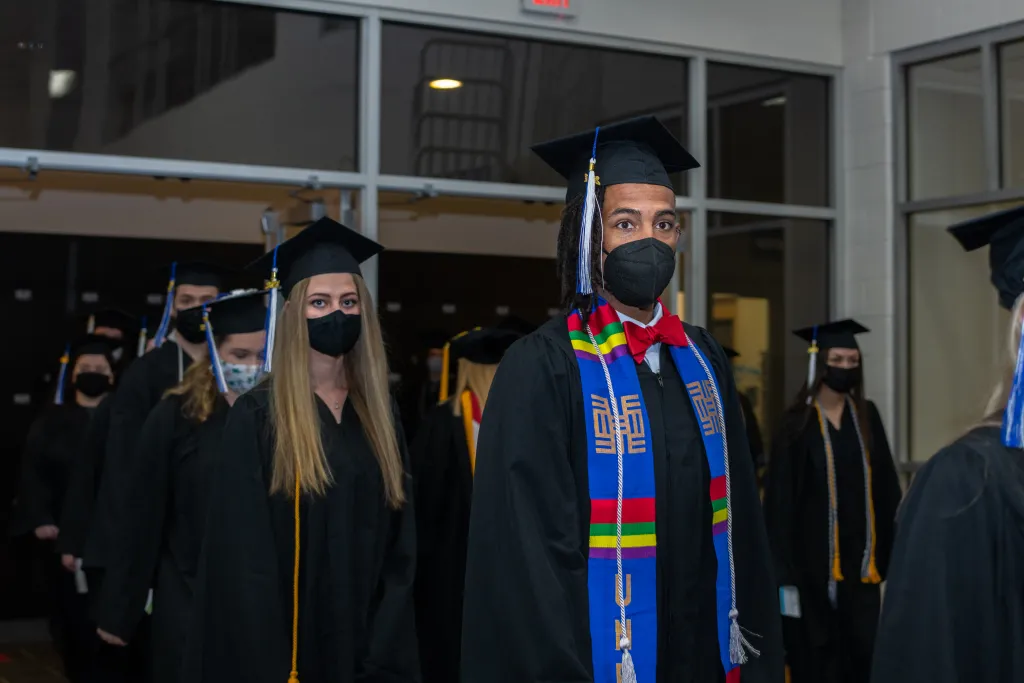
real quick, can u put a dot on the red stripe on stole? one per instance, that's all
(634, 510)
(733, 676)
(718, 488)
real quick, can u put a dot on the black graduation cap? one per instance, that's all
(326, 246)
(840, 334)
(730, 353)
(1003, 233)
(638, 150)
(485, 346)
(238, 312)
(200, 274)
(111, 317)
(90, 344)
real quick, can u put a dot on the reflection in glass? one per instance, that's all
(766, 277)
(945, 127)
(957, 332)
(513, 93)
(1011, 89)
(179, 79)
(768, 135)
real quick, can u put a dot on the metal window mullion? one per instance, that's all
(370, 68)
(697, 243)
(990, 111)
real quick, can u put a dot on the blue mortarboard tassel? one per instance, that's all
(58, 398)
(1013, 417)
(583, 276)
(271, 286)
(812, 359)
(165, 319)
(215, 365)
(141, 350)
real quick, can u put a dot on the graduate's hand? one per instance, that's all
(110, 638)
(47, 532)
(68, 562)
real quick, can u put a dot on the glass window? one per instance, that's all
(768, 135)
(180, 79)
(1011, 78)
(766, 277)
(945, 125)
(504, 94)
(955, 322)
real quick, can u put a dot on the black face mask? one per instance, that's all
(92, 384)
(334, 334)
(189, 324)
(841, 380)
(636, 273)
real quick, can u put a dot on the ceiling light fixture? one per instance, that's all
(61, 82)
(445, 84)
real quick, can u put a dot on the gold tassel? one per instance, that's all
(837, 573)
(445, 369)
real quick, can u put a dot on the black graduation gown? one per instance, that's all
(827, 644)
(954, 601)
(444, 491)
(526, 616)
(356, 622)
(139, 390)
(86, 472)
(168, 484)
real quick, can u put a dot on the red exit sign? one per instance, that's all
(564, 8)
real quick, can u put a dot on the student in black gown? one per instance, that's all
(443, 461)
(528, 577)
(954, 601)
(121, 330)
(830, 505)
(176, 450)
(318, 584)
(750, 422)
(50, 451)
(138, 392)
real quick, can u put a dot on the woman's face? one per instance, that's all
(92, 362)
(242, 349)
(843, 358)
(331, 292)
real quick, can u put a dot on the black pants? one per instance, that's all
(114, 664)
(70, 627)
(841, 650)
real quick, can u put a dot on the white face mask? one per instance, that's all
(241, 377)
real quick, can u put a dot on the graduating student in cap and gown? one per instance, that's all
(443, 462)
(309, 555)
(954, 600)
(544, 598)
(84, 379)
(830, 505)
(750, 421)
(176, 451)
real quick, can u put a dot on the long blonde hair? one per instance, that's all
(198, 391)
(1001, 393)
(475, 377)
(293, 405)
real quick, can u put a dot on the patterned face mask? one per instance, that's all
(241, 377)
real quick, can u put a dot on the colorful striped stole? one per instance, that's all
(623, 538)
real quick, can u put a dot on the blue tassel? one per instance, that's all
(141, 350)
(272, 286)
(58, 398)
(215, 365)
(1013, 417)
(584, 281)
(165, 319)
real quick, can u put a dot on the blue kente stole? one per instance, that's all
(638, 537)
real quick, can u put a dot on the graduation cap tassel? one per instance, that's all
(141, 350)
(273, 285)
(583, 276)
(1013, 417)
(165, 318)
(215, 364)
(90, 326)
(446, 355)
(58, 398)
(812, 360)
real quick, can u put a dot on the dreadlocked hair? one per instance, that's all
(567, 254)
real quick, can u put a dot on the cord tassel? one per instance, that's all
(584, 283)
(628, 670)
(442, 394)
(58, 398)
(141, 349)
(211, 344)
(90, 326)
(165, 318)
(272, 286)
(812, 360)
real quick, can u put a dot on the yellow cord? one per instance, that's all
(294, 676)
(443, 394)
(830, 463)
(467, 421)
(872, 576)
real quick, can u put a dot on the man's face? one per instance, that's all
(189, 296)
(633, 211)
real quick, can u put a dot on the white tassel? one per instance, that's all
(739, 646)
(140, 350)
(628, 671)
(271, 327)
(812, 360)
(583, 275)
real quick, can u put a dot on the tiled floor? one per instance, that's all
(29, 663)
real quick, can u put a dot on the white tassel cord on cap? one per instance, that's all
(812, 359)
(739, 646)
(272, 287)
(583, 275)
(628, 670)
(141, 349)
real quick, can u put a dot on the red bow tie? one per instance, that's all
(668, 330)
